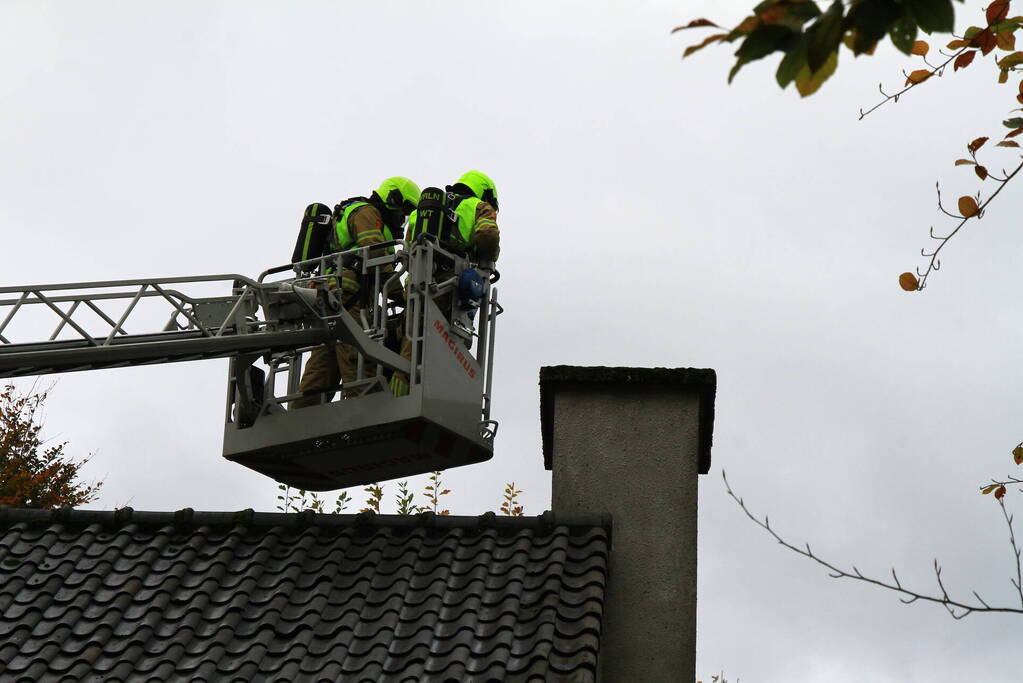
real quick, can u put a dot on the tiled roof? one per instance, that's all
(294, 597)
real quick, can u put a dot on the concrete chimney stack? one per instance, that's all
(630, 442)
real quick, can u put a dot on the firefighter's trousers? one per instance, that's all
(326, 368)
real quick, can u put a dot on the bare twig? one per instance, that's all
(935, 263)
(1015, 550)
(895, 98)
(1009, 481)
(957, 609)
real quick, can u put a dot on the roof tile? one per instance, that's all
(224, 596)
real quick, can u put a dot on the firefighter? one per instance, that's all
(358, 222)
(474, 233)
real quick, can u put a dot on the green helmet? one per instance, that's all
(480, 185)
(399, 194)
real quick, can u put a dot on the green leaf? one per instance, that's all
(825, 37)
(872, 19)
(805, 11)
(788, 13)
(1016, 122)
(903, 33)
(932, 15)
(791, 63)
(762, 42)
(807, 82)
(1008, 25)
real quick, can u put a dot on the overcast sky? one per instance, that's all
(651, 216)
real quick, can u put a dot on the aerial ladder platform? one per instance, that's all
(358, 433)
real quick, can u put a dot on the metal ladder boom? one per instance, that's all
(199, 327)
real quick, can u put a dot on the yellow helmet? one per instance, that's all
(399, 194)
(480, 185)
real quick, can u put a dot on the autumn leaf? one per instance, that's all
(1007, 143)
(988, 489)
(996, 11)
(918, 76)
(1010, 61)
(1005, 41)
(746, 25)
(957, 44)
(920, 47)
(985, 40)
(965, 162)
(1000, 492)
(1003, 76)
(968, 206)
(1014, 133)
(909, 282)
(981, 172)
(1017, 454)
(706, 41)
(695, 23)
(963, 60)
(976, 144)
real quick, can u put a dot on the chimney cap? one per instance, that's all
(699, 380)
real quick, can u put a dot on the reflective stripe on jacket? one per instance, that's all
(347, 238)
(360, 225)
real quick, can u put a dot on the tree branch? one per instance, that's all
(935, 263)
(955, 608)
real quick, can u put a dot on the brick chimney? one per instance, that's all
(630, 442)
